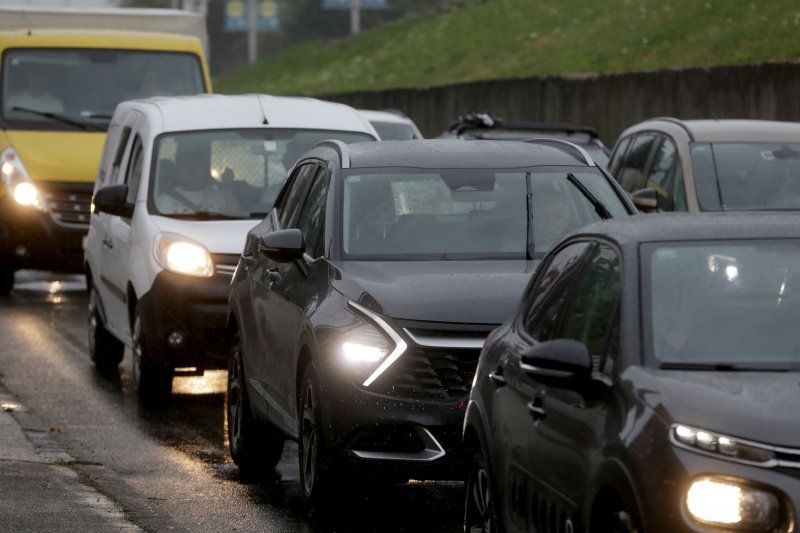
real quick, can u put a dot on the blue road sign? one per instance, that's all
(267, 13)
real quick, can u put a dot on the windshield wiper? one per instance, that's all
(59, 118)
(722, 367)
(599, 208)
(203, 215)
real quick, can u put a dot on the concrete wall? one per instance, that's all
(609, 102)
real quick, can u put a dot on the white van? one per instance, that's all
(180, 183)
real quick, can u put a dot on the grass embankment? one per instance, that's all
(522, 38)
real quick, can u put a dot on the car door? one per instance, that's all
(510, 415)
(571, 422)
(264, 357)
(119, 236)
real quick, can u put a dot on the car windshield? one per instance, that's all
(392, 131)
(67, 88)
(732, 303)
(746, 176)
(228, 174)
(458, 214)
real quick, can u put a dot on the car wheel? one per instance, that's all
(105, 350)
(255, 446)
(152, 381)
(479, 511)
(315, 468)
(6, 281)
(612, 516)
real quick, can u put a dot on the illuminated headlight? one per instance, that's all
(373, 341)
(17, 182)
(724, 446)
(722, 502)
(181, 255)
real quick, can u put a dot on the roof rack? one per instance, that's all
(566, 146)
(677, 122)
(340, 148)
(487, 121)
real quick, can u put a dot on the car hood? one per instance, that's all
(58, 155)
(470, 292)
(759, 406)
(218, 236)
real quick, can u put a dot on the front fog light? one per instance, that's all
(178, 254)
(721, 502)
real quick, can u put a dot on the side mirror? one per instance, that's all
(645, 200)
(283, 245)
(113, 200)
(557, 360)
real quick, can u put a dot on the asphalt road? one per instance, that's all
(168, 466)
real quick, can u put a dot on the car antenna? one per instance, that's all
(263, 113)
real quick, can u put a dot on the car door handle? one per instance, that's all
(536, 409)
(273, 275)
(497, 378)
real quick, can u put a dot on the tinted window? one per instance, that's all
(594, 308)
(312, 217)
(631, 171)
(290, 206)
(133, 177)
(553, 287)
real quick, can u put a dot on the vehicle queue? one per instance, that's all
(489, 310)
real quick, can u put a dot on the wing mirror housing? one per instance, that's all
(560, 361)
(113, 200)
(645, 200)
(283, 245)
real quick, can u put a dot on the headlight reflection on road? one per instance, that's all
(211, 382)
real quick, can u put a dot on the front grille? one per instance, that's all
(69, 204)
(429, 374)
(225, 264)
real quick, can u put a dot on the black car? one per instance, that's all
(488, 127)
(361, 302)
(647, 382)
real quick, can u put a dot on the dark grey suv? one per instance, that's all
(360, 304)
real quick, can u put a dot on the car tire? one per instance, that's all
(152, 380)
(613, 516)
(105, 350)
(6, 281)
(316, 468)
(480, 515)
(255, 446)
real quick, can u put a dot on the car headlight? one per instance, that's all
(183, 256)
(723, 502)
(371, 342)
(725, 447)
(17, 181)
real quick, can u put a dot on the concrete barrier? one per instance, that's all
(609, 102)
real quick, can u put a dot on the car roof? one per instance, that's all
(642, 228)
(215, 111)
(384, 116)
(452, 153)
(730, 130)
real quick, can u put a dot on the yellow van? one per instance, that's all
(62, 73)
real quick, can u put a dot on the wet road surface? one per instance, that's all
(168, 466)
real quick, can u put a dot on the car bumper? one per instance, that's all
(194, 309)
(418, 439)
(30, 238)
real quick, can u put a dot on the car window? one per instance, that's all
(312, 218)
(631, 171)
(119, 156)
(133, 176)
(663, 174)
(549, 295)
(593, 311)
(290, 206)
(617, 156)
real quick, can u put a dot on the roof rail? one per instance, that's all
(566, 146)
(677, 122)
(340, 147)
(489, 121)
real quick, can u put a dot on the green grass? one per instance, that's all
(523, 38)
